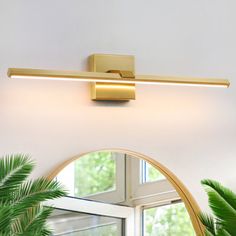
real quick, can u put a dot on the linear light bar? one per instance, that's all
(19, 73)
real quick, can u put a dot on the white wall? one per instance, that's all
(191, 130)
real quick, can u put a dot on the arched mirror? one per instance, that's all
(117, 193)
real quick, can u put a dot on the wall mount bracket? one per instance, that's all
(120, 64)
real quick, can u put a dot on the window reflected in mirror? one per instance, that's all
(167, 220)
(68, 223)
(94, 173)
(148, 173)
(126, 181)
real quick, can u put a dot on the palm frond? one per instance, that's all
(45, 232)
(222, 203)
(209, 223)
(14, 170)
(223, 232)
(33, 221)
(21, 210)
(5, 218)
(32, 193)
(207, 233)
(228, 195)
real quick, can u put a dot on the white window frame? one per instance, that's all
(149, 192)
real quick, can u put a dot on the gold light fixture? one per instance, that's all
(113, 77)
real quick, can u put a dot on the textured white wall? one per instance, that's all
(191, 130)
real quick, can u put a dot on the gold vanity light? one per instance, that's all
(113, 77)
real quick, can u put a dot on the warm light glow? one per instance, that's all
(120, 81)
(114, 78)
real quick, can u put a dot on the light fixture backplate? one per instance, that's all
(112, 91)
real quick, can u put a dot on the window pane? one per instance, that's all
(95, 173)
(167, 220)
(69, 223)
(103, 230)
(149, 173)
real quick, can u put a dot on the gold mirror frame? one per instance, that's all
(189, 201)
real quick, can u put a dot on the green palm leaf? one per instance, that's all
(21, 210)
(34, 192)
(208, 222)
(223, 232)
(33, 221)
(14, 170)
(222, 202)
(5, 218)
(227, 194)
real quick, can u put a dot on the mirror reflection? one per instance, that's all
(125, 181)
(81, 224)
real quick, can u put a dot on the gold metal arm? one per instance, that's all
(113, 77)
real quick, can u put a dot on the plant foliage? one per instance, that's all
(222, 202)
(21, 209)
